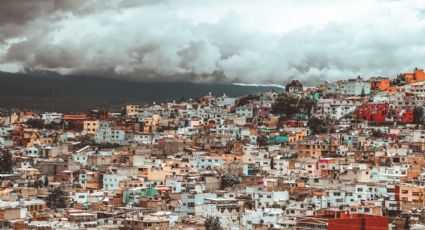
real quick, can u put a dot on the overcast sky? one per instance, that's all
(262, 41)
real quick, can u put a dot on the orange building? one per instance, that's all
(316, 148)
(380, 83)
(418, 75)
(410, 196)
(392, 90)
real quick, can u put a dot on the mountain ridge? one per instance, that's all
(46, 91)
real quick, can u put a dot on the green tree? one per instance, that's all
(317, 125)
(245, 100)
(289, 104)
(37, 184)
(401, 77)
(182, 99)
(399, 80)
(229, 181)
(212, 223)
(57, 198)
(6, 162)
(35, 123)
(271, 162)
(377, 133)
(363, 94)
(308, 105)
(286, 104)
(418, 114)
(407, 222)
(46, 181)
(422, 216)
(262, 140)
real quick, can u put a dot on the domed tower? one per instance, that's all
(294, 86)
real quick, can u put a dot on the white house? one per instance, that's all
(111, 181)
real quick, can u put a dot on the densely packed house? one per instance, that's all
(342, 155)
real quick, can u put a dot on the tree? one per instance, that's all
(407, 222)
(262, 140)
(377, 133)
(363, 94)
(271, 162)
(289, 104)
(35, 123)
(57, 198)
(6, 162)
(247, 99)
(229, 181)
(286, 104)
(249, 203)
(418, 114)
(212, 223)
(308, 104)
(37, 184)
(182, 99)
(317, 125)
(46, 181)
(399, 80)
(422, 216)
(400, 77)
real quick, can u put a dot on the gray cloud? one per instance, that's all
(152, 40)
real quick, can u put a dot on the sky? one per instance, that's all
(244, 41)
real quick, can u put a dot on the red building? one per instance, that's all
(294, 123)
(376, 112)
(339, 219)
(407, 117)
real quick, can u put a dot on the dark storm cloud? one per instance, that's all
(22, 11)
(16, 16)
(166, 40)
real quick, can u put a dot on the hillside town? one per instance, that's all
(341, 155)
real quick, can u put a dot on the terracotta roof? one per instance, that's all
(75, 117)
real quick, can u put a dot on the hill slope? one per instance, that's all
(44, 91)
